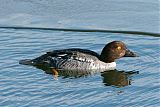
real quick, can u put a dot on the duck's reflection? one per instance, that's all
(110, 78)
(117, 78)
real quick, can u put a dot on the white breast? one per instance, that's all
(99, 65)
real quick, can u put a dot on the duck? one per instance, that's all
(77, 59)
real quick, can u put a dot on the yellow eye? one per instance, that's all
(119, 48)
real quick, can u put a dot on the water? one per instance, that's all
(134, 83)
(137, 15)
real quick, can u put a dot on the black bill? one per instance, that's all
(130, 54)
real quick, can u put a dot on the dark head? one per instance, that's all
(115, 50)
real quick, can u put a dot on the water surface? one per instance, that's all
(134, 83)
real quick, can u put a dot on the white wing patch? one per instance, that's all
(61, 55)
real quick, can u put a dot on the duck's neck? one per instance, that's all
(106, 59)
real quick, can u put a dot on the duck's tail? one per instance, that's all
(26, 62)
(36, 61)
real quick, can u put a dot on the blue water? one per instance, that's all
(135, 82)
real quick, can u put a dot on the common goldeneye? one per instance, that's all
(82, 59)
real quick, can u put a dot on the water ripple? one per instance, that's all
(27, 86)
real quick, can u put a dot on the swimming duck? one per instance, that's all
(83, 59)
